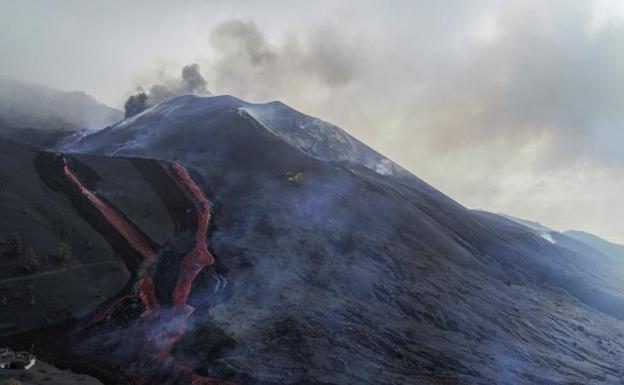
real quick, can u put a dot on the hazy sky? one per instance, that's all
(510, 106)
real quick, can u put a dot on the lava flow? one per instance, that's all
(199, 257)
(144, 348)
(127, 231)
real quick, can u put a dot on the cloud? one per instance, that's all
(541, 74)
(246, 64)
(520, 91)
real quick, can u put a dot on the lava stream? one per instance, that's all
(126, 230)
(200, 257)
(150, 339)
(115, 219)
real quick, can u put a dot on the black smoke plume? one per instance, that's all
(191, 82)
(136, 104)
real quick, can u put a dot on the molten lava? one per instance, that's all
(126, 230)
(115, 219)
(199, 257)
(145, 346)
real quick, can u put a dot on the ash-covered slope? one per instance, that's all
(29, 105)
(40, 283)
(176, 123)
(42, 117)
(328, 269)
(36, 137)
(580, 242)
(609, 248)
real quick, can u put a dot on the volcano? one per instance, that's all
(258, 245)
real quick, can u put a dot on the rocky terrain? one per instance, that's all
(216, 241)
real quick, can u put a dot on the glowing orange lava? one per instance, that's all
(199, 257)
(153, 336)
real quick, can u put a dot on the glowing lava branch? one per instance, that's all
(200, 257)
(126, 230)
(153, 336)
(191, 265)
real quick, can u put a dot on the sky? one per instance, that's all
(513, 107)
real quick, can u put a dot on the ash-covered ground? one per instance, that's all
(332, 264)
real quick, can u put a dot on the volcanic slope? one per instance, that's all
(30, 105)
(610, 254)
(124, 307)
(53, 265)
(41, 116)
(343, 268)
(609, 248)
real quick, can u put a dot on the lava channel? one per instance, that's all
(145, 346)
(127, 231)
(199, 257)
